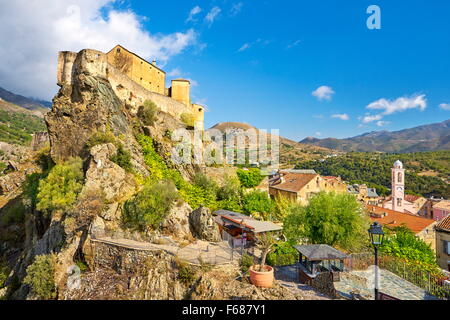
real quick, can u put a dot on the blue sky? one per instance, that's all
(260, 61)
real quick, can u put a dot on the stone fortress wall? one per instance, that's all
(96, 64)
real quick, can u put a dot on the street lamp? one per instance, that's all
(376, 237)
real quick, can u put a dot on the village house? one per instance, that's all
(301, 185)
(441, 210)
(443, 243)
(422, 227)
(364, 194)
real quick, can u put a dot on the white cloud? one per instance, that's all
(342, 116)
(212, 15)
(194, 11)
(35, 31)
(244, 47)
(176, 72)
(445, 106)
(293, 44)
(394, 106)
(236, 8)
(382, 123)
(323, 93)
(371, 118)
(318, 133)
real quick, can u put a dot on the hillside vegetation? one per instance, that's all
(17, 127)
(427, 173)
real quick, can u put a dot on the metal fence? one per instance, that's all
(433, 283)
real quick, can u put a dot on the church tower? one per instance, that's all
(398, 186)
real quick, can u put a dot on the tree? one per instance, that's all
(257, 202)
(148, 209)
(404, 244)
(329, 218)
(265, 241)
(147, 112)
(60, 189)
(40, 277)
(249, 178)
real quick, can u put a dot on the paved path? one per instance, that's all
(390, 284)
(195, 253)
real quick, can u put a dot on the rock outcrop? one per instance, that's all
(202, 225)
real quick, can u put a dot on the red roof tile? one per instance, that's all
(294, 182)
(444, 224)
(391, 218)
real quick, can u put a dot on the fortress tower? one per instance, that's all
(398, 186)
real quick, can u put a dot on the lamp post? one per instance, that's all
(376, 237)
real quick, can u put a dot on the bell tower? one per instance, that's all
(398, 186)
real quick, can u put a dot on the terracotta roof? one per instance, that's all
(412, 198)
(330, 178)
(444, 224)
(391, 218)
(294, 182)
(444, 205)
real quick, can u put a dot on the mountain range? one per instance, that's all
(25, 102)
(429, 137)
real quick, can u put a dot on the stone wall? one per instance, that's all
(120, 259)
(323, 283)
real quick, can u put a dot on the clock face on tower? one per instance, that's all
(399, 188)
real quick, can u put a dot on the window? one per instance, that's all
(446, 247)
(118, 50)
(399, 177)
(399, 202)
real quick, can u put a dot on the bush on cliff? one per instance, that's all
(147, 113)
(249, 178)
(258, 201)
(40, 277)
(188, 119)
(60, 189)
(122, 157)
(148, 208)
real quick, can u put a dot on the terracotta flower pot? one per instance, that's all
(262, 279)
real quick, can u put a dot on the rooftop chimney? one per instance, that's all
(154, 62)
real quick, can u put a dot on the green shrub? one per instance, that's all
(258, 201)
(4, 273)
(122, 158)
(101, 138)
(148, 209)
(13, 214)
(250, 178)
(404, 244)
(246, 262)
(40, 277)
(82, 266)
(205, 182)
(188, 119)
(193, 194)
(283, 254)
(60, 189)
(186, 274)
(147, 113)
(31, 187)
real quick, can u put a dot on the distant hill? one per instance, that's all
(290, 151)
(17, 124)
(27, 103)
(431, 137)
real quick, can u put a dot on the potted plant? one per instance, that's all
(262, 275)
